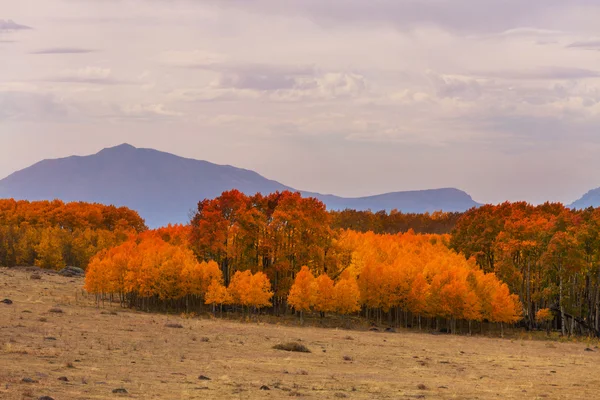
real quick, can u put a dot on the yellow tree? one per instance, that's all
(96, 277)
(168, 284)
(419, 293)
(120, 257)
(217, 294)
(239, 288)
(192, 279)
(323, 294)
(347, 295)
(50, 250)
(506, 308)
(301, 293)
(210, 272)
(260, 291)
(144, 270)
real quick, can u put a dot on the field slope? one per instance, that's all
(100, 350)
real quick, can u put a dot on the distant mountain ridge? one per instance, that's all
(164, 187)
(590, 199)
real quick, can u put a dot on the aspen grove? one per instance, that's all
(279, 252)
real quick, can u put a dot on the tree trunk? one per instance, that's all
(529, 311)
(560, 301)
(597, 318)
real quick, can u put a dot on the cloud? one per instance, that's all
(256, 81)
(463, 88)
(63, 50)
(261, 77)
(30, 106)
(211, 94)
(475, 16)
(291, 82)
(529, 32)
(277, 88)
(543, 73)
(147, 112)
(518, 132)
(88, 75)
(586, 44)
(191, 59)
(274, 82)
(333, 85)
(10, 25)
(239, 75)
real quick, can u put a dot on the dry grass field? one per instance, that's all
(50, 332)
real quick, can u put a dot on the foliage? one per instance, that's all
(323, 292)
(420, 275)
(275, 234)
(394, 221)
(217, 294)
(549, 255)
(544, 315)
(250, 290)
(53, 234)
(301, 295)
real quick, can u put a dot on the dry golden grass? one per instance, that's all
(99, 352)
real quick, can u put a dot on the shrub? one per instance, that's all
(292, 346)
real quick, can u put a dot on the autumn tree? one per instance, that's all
(505, 307)
(50, 250)
(217, 294)
(301, 294)
(544, 316)
(347, 295)
(323, 292)
(260, 291)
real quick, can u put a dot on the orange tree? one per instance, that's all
(301, 295)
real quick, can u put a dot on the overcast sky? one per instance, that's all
(500, 98)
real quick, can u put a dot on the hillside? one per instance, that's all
(164, 187)
(590, 199)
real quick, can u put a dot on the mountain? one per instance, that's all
(590, 199)
(416, 201)
(164, 188)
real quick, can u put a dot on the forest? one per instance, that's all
(510, 263)
(52, 234)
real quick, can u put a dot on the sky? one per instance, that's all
(500, 98)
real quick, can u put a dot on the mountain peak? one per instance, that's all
(120, 148)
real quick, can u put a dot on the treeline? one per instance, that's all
(407, 278)
(548, 254)
(52, 234)
(394, 221)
